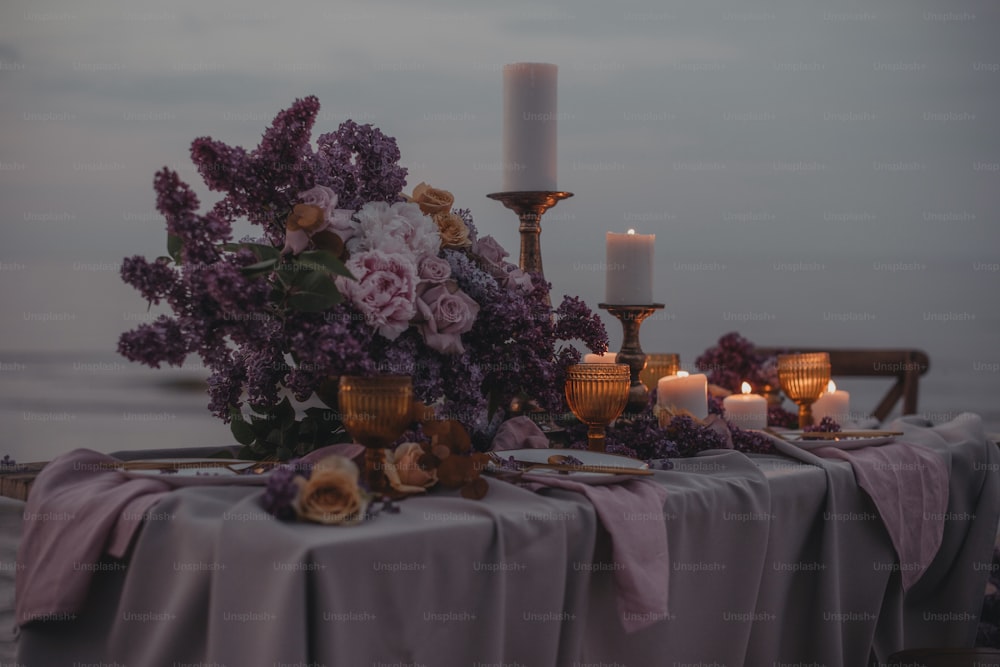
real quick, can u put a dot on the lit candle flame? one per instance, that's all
(831, 387)
(631, 231)
(682, 374)
(746, 388)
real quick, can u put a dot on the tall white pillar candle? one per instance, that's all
(684, 392)
(629, 270)
(529, 127)
(606, 358)
(746, 410)
(834, 403)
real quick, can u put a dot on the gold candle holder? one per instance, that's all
(597, 395)
(631, 353)
(657, 366)
(530, 206)
(803, 379)
(375, 411)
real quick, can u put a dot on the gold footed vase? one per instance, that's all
(597, 395)
(375, 411)
(804, 378)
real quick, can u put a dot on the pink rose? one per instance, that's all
(490, 250)
(384, 290)
(518, 280)
(434, 269)
(316, 212)
(445, 313)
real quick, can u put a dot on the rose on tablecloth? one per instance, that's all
(331, 495)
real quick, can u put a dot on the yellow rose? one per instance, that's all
(432, 200)
(404, 474)
(454, 233)
(331, 494)
(304, 216)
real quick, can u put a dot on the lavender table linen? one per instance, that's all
(772, 559)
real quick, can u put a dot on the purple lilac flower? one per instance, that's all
(154, 343)
(281, 492)
(731, 362)
(826, 425)
(154, 280)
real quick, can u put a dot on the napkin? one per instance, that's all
(638, 545)
(909, 485)
(81, 509)
(519, 433)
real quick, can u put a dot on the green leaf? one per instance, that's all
(284, 413)
(313, 292)
(174, 247)
(321, 259)
(259, 268)
(310, 302)
(261, 252)
(242, 432)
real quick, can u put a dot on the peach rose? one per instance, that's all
(432, 200)
(454, 233)
(403, 472)
(331, 494)
(305, 216)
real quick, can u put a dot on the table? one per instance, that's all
(776, 558)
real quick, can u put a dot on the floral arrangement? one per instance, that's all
(348, 277)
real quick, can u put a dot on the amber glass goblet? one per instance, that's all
(375, 410)
(597, 395)
(657, 366)
(803, 379)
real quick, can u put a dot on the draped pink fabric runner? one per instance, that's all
(632, 513)
(909, 485)
(82, 509)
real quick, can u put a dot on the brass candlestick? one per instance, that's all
(530, 206)
(631, 353)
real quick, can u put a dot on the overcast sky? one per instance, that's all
(826, 172)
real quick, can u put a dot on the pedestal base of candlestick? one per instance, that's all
(530, 206)
(631, 352)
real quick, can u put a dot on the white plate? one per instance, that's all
(586, 457)
(845, 443)
(193, 468)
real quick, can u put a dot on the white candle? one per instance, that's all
(684, 392)
(629, 276)
(834, 403)
(746, 410)
(606, 358)
(529, 127)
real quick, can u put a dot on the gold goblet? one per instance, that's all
(657, 366)
(804, 378)
(375, 411)
(597, 395)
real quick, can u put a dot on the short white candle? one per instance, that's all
(606, 358)
(629, 270)
(684, 392)
(834, 403)
(529, 127)
(746, 410)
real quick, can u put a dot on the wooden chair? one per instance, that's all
(906, 366)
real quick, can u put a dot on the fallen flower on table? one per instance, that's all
(326, 492)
